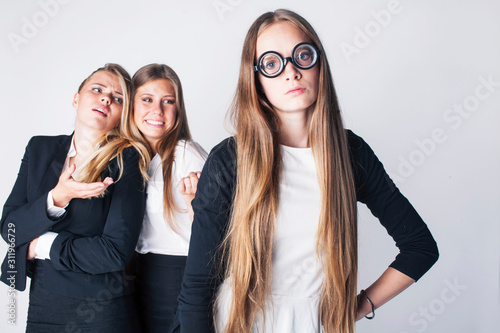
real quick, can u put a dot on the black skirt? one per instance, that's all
(49, 312)
(158, 283)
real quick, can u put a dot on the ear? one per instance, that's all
(75, 100)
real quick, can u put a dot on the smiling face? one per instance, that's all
(294, 90)
(155, 109)
(99, 102)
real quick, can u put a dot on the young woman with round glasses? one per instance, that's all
(274, 238)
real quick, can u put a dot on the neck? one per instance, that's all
(154, 146)
(85, 140)
(294, 128)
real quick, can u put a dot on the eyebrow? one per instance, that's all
(102, 85)
(149, 94)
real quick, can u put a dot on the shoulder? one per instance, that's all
(355, 142)
(190, 149)
(130, 153)
(126, 158)
(363, 160)
(47, 147)
(126, 165)
(49, 141)
(360, 152)
(225, 150)
(218, 178)
(224, 153)
(189, 157)
(369, 172)
(222, 159)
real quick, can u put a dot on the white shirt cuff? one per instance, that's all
(53, 211)
(44, 244)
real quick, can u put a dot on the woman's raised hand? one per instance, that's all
(67, 188)
(187, 187)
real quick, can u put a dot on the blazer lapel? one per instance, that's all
(51, 178)
(55, 168)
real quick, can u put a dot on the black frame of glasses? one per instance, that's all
(284, 61)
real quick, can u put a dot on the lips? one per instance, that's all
(155, 122)
(101, 109)
(296, 91)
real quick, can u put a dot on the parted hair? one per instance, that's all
(112, 144)
(166, 145)
(248, 246)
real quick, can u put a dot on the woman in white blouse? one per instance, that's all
(160, 116)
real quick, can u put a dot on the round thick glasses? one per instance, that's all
(271, 64)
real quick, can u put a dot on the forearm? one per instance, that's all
(29, 220)
(112, 249)
(92, 255)
(388, 285)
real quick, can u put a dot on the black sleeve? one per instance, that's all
(113, 249)
(212, 208)
(23, 220)
(29, 219)
(418, 250)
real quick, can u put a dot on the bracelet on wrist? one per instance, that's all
(368, 316)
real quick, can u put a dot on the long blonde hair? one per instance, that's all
(112, 144)
(179, 131)
(248, 245)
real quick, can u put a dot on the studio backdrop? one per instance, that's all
(419, 80)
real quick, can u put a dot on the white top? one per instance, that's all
(156, 235)
(297, 272)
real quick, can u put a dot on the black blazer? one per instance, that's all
(96, 237)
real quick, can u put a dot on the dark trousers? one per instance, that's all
(53, 313)
(158, 283)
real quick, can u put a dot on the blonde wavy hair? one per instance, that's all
(166, 145)
(112, 144)
(248, 246)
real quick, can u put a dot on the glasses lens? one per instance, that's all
(270, 64)
(305, 56)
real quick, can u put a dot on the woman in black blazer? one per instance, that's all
(75, 213)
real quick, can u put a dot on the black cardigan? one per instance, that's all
(212, 207)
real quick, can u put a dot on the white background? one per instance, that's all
(398, 75)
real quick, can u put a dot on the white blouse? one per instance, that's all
(156, 235)
(297, 272)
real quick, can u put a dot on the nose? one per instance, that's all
(158, 108)
(106, 99)
(291, 72)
